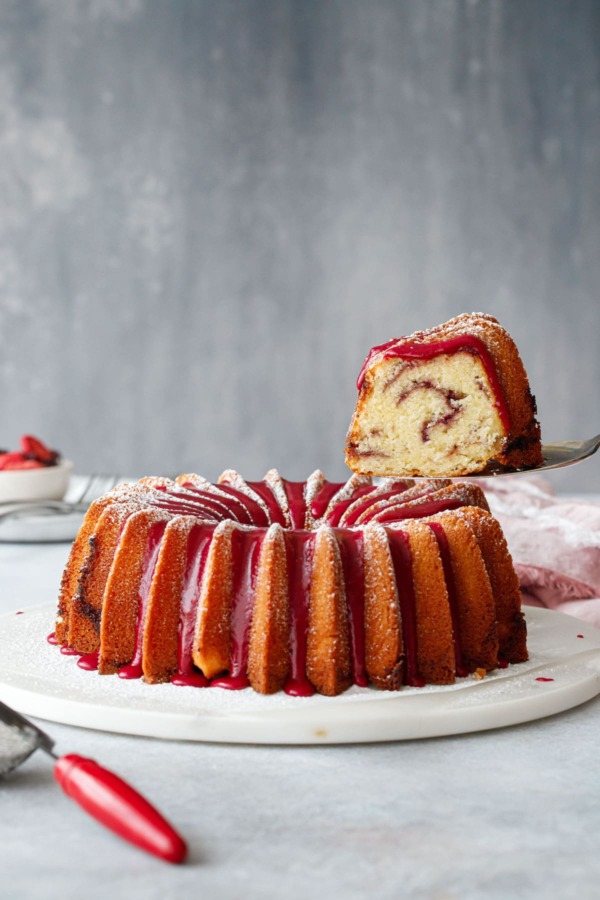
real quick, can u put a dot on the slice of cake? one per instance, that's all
(444, 402)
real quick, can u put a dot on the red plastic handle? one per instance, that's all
(117, 805)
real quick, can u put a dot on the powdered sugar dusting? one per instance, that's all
(376, 533)
(480, 325)
(157, 481)
(485, 523)
(346, 492)
(405, 484)
(370, 500)
(197, 480)
(28, 662)
(275, 482)
(312, 486)
(233, 478)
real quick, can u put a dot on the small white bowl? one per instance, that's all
(47, 483)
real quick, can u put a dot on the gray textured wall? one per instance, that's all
(211, 209)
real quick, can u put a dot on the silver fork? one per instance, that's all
(94, 486)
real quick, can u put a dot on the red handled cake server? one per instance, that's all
(101, 793)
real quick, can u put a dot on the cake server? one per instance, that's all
(565, 453)
(101, 793)
(555, 456)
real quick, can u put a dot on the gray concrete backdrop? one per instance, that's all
(211, 209)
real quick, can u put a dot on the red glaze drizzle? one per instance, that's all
(194, 679)
(340, 508)
(245, 547)
(373, 499)
(354, 514)
(544, 679)
(320, 503)
(134, 669)
(197, 551)
(131, 672)
(52, 639)
(224, 507)
(266, 495)
(299, 554)
(406, 349)
(373, 352)
(89, 661)
(257, 514)
(444, 548)
(181, 508)
(417, 511)
(403, 570)
(351, 549)
(294, 491)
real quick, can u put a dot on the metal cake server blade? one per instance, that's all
(555, 456)
(101, 793)
(565, 453)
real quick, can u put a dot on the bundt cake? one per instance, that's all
(296, 586)
(444, 402)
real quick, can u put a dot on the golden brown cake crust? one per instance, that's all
(72, 572)
(268, 653)
(435, 651)
(211, 652)
(384, 649)
(159, 659)
(523, 443)
(121, 587)
(476, 605)
(328, 663)
(86, 606)
(512, 629)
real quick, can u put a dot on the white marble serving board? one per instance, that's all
(39, 681)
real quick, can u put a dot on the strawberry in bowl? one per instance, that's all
(34, 472)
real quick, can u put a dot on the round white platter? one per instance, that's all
(35, 678)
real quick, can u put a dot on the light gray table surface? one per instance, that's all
(512, 813)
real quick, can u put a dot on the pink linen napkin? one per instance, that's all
(554, 543)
